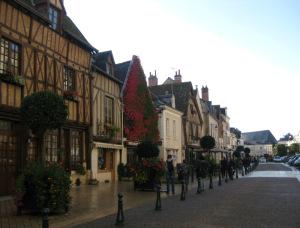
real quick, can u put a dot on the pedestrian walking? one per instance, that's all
(231, 166)
(170, 174)
(223, 166)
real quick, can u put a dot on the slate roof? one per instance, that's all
(181, 92)
(68, 25)
(121, 70)
(259, 137)
(100, 59)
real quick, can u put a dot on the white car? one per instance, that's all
(262, 160)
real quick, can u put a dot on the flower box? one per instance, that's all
(12, 79)
(71, 95)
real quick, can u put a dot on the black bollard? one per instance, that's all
(45, 221)
(182, 196)
(199, 187)
(243, 173)
(120, 214)
(226, 176)
(210, 182)
(220, 180)
(236, 174)
(158, 199)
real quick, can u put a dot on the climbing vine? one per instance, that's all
(140, 117)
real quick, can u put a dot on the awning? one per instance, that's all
(107, 145)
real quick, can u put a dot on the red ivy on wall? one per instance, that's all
(140, 117)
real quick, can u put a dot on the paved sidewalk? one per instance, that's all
(88, 203)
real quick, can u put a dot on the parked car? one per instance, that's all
(262, 160)
(297, 162)
(292, 160)
(277, 159)
(284, 158)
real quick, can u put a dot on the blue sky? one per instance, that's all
(246, 51)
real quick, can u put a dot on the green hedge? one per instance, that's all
(44, 186)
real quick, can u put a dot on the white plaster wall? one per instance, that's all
(169, 142)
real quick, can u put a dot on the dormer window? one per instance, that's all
(109, 68)
(53, 17)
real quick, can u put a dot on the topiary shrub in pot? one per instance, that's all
(44, 186)
(149, 169)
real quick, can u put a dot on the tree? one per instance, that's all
(287, 137)
(294, 148)
(281, 150)
(207, 142)
(43, 111)
(247, 152)
(147, 149)
(236, 131)
(238, 150)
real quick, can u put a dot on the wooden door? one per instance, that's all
(110, 162)
(8, 157)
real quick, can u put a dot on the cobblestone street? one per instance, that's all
(248, 202)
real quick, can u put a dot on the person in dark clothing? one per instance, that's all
(223, 166)
(170, 174)
(186, 174)
(231, 168)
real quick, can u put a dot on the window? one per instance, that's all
(75, 149)
(109, 68)
(105, 159)
(69, 79)
(174, 129)
(53, 17)
(168, 127)
(9, 57)
(32, 149)
(51, 145)
(108, 110)
(6, 125)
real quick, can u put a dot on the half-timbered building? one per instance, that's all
(42, 49)
(107, 118)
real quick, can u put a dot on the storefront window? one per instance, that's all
(51, 145)
(101, 159)
(75, 149)
(105, 159)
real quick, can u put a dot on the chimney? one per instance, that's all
(152, 80)
(177, 77)
(205, 96)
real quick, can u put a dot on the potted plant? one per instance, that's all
(149, 169)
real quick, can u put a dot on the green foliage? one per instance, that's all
(44, 110)
(236, 131)
(281, 150)
(124, 171)
(247, 152)
(202, 168)
(148, 169)
(121, 170)
(147, 149)
(293, 149)
(44, 186)
(207, 142)
(212, 164)
(80, 169)
(237, 152)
